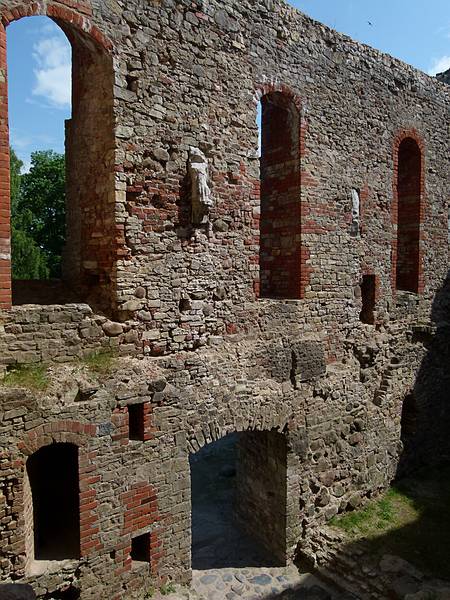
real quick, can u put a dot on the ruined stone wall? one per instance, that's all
(342, 429)
(211, 357)
(36, 334)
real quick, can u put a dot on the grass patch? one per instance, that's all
(32, 377)
(391, 511)
(167, 589)
(411, 520)
(101, 362)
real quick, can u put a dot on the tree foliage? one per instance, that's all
(38, 216)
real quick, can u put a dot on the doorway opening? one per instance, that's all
(239, 490)
(52, 505)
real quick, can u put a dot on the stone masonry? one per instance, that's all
(280, 313)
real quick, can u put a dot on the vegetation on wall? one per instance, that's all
(37, 215)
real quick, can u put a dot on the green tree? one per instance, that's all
(39, 218)
(15, 167)
(28, 260)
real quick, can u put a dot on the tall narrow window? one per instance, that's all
(63, 237)
(368, 295)
(409, 215)
(280, 244)
(54, 532)
(409, 418)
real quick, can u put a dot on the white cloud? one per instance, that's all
(54, 71)
(20, 142)
(26, 164)
(440, 65)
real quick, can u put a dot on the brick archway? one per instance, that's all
(240, 485)
(63, 11)
(56, 434)
(75, 20)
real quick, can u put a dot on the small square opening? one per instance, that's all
(136, 422)
(140, 548)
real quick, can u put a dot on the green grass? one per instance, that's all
(32, 377)
(411, 520)
(167, 589)
(392, 510)
(101, 362)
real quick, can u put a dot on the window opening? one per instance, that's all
(409, 215)
(140, 548)
(280, 220)
(136, 421)
(63, 238)
(368, 295)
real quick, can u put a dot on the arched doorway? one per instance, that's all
(239, 499)
(52, 504)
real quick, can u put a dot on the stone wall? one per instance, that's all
(262, 481)
(45, 334)
(200, 350)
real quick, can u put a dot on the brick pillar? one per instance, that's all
(5, 233)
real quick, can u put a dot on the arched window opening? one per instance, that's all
(280, 221)
(63, 250)
(409, 216)
(52, 504)
(409, 418)
(239, 501)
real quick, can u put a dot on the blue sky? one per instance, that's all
(39, 57)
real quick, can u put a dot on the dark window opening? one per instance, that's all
(54, 483)
(409, 418)
(136, 422)
(409, 216)
(368, 295)
(280, 220)
(141, 548)
(63, 249)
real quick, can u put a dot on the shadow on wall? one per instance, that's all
(16, 591)
(408, 558)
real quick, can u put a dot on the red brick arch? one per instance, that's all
(70, 12)
(65, 12)
(79, 434)
(70, 432)
(401, 136)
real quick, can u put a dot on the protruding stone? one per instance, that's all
(112, 329)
